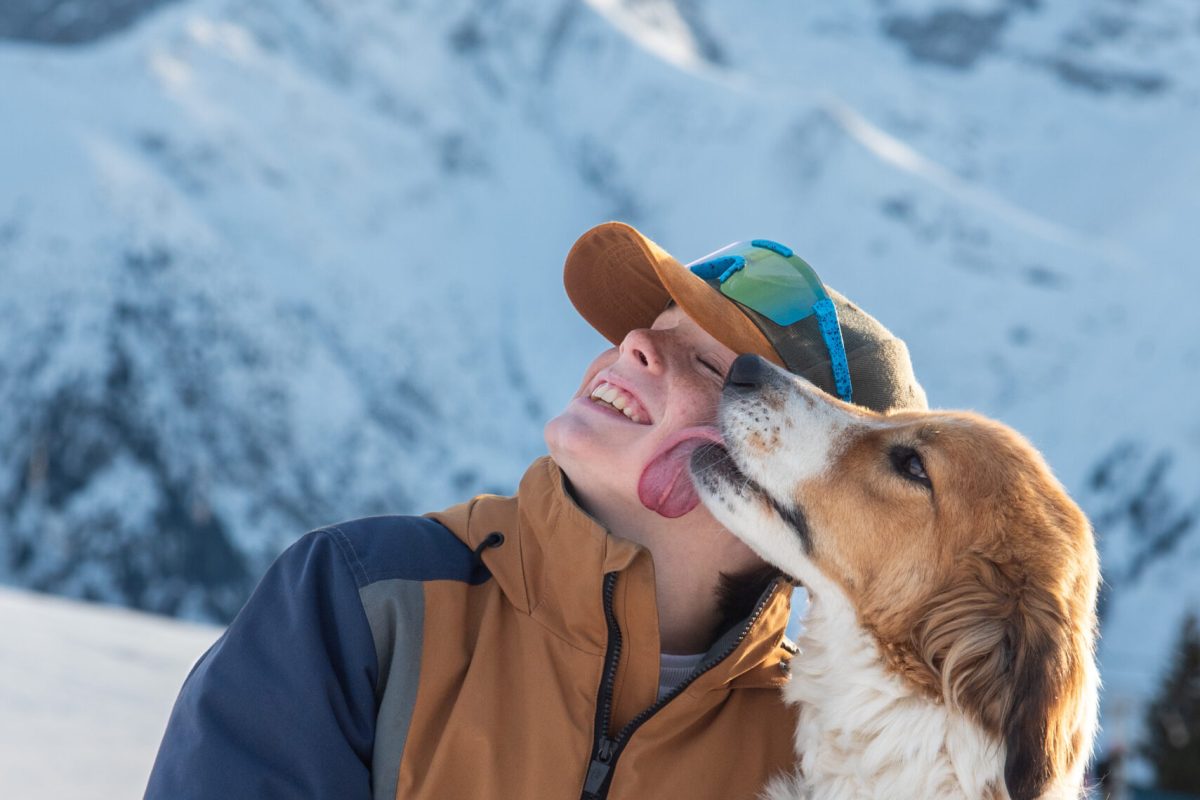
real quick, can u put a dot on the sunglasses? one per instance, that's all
(769, 279)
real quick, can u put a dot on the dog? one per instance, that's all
(948, 651)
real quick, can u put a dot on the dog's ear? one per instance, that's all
(963, 637)
(1050, 723)
(1029, 730)
(1005, 656)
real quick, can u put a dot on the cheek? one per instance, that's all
(696, 400)
(570, 430)
(598, 363)
(876, 538)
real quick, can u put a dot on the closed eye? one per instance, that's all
(907, 463)
(714, 368)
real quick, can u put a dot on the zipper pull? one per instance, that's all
(599, 768)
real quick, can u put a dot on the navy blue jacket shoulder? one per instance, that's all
(285, 703)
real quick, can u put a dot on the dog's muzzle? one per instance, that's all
(714, 467)
(747, 375)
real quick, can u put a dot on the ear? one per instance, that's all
(963, 638)
(1029, 763)
(1051, 719)
(1006, 656)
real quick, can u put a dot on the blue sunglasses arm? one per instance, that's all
(831, 332)
(719, 269)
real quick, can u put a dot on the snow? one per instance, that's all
(85, 692)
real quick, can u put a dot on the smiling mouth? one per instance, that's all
(620, 401)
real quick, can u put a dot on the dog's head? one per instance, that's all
(958, 549)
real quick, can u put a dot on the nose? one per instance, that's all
(640, 344)
(746, 374)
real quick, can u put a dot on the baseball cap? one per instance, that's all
(619, 279)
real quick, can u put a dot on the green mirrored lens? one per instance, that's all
(779, 288)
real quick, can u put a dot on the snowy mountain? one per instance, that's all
(270, 265)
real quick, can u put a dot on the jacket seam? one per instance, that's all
(358, 571)
(346, 546)
(543, 626)
(563, 639)
(349, 554)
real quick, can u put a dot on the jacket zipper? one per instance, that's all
(605, 749)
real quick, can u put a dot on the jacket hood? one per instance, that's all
(552, 565)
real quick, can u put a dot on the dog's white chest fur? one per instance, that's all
(863, 733)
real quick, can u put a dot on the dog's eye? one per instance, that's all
(908, 463)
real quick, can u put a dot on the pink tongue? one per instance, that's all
(666, 485)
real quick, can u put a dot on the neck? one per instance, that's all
(685, 578)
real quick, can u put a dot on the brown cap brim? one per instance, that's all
(620, 280)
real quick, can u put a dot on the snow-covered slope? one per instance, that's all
(85, 693)
(269, 265)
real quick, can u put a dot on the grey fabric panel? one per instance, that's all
(396, 612)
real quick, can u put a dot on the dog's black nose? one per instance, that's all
(746, 374)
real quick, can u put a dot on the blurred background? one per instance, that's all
(266, 266)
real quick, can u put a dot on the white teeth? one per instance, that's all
(616, 398)
(606, 392)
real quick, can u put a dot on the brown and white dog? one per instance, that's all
(948, 649)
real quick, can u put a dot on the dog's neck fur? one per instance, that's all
(864, 732)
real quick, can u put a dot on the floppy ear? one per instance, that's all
(1005, 655)
(1029, 763)
(964, 638)
(1050, 723)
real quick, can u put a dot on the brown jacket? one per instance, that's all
(516, 672)
(379, 659)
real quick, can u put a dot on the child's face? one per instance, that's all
(668, 378)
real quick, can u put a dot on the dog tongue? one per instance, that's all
(666, 485)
